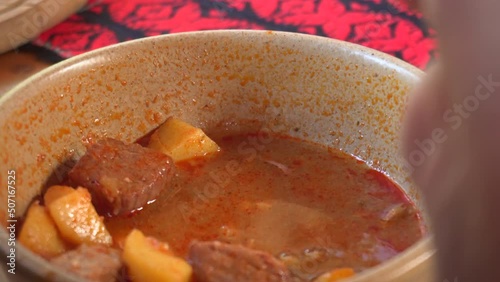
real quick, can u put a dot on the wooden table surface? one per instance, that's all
(15, 66)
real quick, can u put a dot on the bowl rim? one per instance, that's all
(367, 52)
(414, 255)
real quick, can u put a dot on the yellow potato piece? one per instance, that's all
(77, 219)
(55, 192)
(181, 141)
(336, 275)
(39, 233)
(149, 260)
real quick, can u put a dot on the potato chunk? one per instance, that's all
(181, 141)
(150, 260)
(39, 233)
(55, 192)
(77, 219)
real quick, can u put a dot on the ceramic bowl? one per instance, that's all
(23, 20)
(339, 94)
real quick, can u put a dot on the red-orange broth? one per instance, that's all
(315, 208)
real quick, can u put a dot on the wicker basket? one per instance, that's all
(23, 20)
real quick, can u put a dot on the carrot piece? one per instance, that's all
(336, 275)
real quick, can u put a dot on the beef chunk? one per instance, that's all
(219, 262)
(96, 263)
(120, 177)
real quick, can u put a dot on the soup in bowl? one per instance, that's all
(213, 156)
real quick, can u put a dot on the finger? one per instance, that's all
(424, 125)
(428, 8)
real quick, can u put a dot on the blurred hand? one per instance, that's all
(452, 139)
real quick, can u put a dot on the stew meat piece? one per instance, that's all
(120, 177)
(96, 263)
(218, 262)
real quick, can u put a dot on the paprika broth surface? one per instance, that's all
(314, 208)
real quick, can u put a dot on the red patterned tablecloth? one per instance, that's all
(386, 25)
